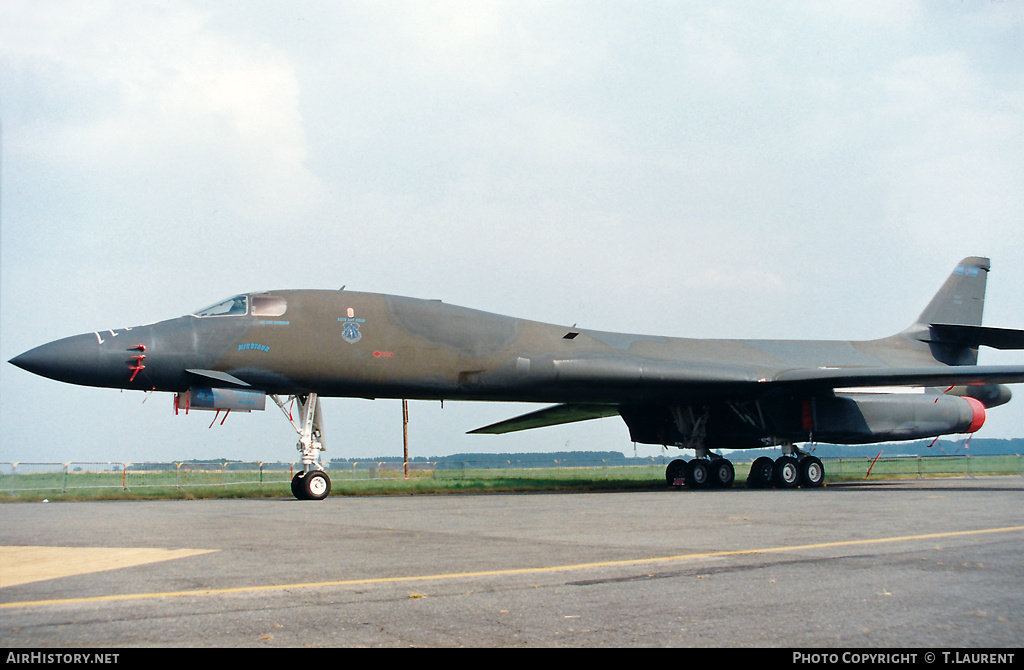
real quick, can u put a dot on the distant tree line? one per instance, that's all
(504, 460)
(974, 447)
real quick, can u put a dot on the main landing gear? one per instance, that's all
(311, 482)
(786, 472)
(701, 473)
(793, 469)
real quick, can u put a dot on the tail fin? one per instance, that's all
(951, 323)
(950, 327)
(961, 300)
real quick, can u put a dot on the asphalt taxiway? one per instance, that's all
(923, 563)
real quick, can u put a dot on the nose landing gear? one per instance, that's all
(311, 482)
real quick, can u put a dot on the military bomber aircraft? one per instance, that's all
(687, 393)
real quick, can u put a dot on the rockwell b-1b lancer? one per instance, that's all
(694, 394)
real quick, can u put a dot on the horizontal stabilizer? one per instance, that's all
(217, 376)
(975, 336)
(550, 416)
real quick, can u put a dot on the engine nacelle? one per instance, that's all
(854, 418)
(235, 400)
(842, 418)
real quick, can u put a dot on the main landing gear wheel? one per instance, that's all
(722, 473)
(787, 473)
(674, 471)
(313, 485)
(761, 471)
(698, 473)
(812, 473)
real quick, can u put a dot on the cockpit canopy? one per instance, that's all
(237, 306)
(242, 305)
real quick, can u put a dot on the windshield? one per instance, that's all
(237, 306)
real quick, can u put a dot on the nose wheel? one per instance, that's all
(311, 485)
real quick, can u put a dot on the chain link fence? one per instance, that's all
(71, 476)
(75, 476)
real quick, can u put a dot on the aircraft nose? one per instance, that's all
(76, 360)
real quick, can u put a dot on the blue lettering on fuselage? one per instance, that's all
(253, 345)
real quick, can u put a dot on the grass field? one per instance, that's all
(63, 482)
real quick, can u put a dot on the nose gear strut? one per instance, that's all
(311, 482)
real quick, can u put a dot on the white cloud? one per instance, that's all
(925, 83)
(174, 112)
(867, 12)
(951, 169)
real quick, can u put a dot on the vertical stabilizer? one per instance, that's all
(961, 300)
(950, 321)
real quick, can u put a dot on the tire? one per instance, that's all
(812, 473)
(786, 474)
(297, 487)
(316, 485)
(722, 473)
(761, 472)
(698, 473)
(674, 471)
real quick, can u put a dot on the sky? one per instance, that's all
(789, 170)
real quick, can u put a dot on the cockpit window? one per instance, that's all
(237, 306)
(268, 305)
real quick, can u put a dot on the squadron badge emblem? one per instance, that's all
(351, 333)
(350, 327)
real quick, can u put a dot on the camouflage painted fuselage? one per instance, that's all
(733, 393)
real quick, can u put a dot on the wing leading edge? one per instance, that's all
(550, 416)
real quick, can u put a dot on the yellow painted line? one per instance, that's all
(509, 571)
(23, 565)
